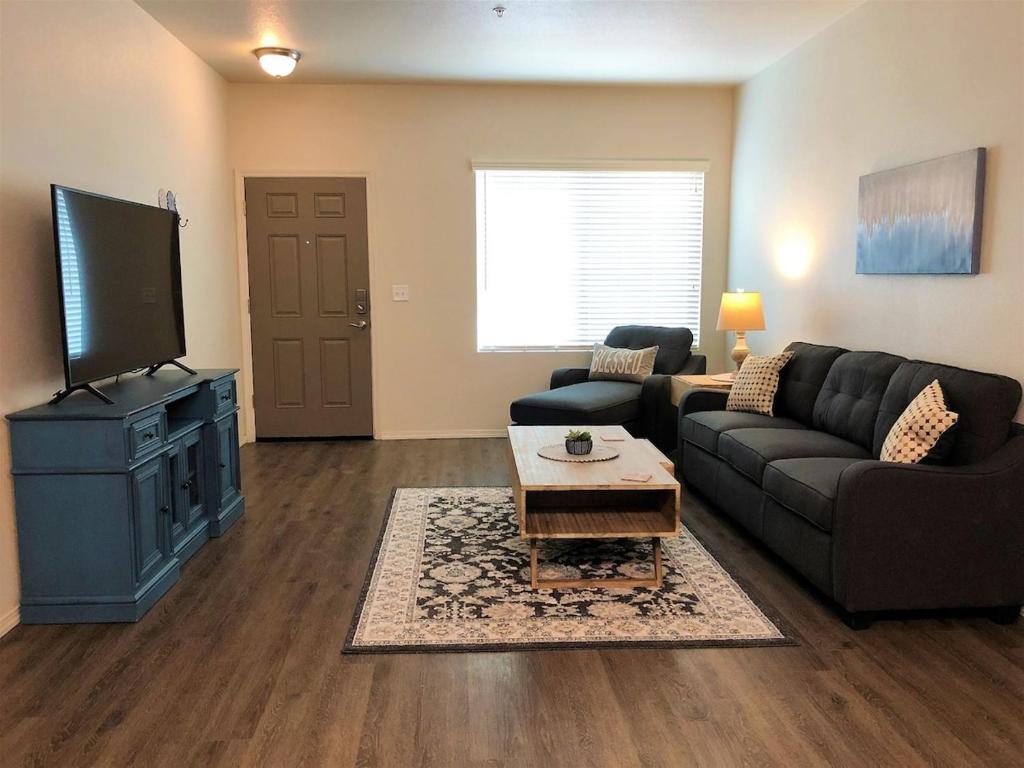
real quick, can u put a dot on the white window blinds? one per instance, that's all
(563, 256)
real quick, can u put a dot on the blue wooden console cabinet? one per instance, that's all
(112, 499)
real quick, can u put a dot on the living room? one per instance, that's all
(741, 139)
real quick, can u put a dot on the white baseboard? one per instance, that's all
(9, 620)
(441, 435)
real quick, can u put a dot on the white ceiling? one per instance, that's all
(552, 41)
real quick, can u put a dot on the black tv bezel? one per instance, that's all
(175, 276)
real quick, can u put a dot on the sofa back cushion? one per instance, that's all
(985, 402)
(673, 344)
(801, 379)
(847, 405)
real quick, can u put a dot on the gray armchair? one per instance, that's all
(644, 409)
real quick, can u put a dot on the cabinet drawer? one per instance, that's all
(146, 435)
(224, 397)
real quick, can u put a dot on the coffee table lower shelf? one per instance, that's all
(605, 514)
(625, 583)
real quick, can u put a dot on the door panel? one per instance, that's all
(310, 316)
(179, 509)
(150, 508)
(336, 376)
(332, 275)
(192, 485)
(289, 374)
(285, 276)
(227, 459)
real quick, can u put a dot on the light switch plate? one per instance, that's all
(399, 292)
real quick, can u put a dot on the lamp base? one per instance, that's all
(741, 350)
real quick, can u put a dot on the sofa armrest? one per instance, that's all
(694, 400)
(657, 414)
(695, 364)
(909, 536)
(563, 377)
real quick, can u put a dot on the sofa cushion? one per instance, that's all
(592, 402)
(801, 379)
(750, 450)
(703, 427)
(985, 402)
(847, 405)
(807, 487)
(673, 344)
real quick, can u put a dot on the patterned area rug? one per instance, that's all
(452, 574)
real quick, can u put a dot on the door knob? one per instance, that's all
(360, 325)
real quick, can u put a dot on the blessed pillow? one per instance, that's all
(919, 428)
(612, 364)
(756, 383)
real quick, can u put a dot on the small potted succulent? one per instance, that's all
(578, 443)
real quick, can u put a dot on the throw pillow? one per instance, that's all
(919, 427)
(756, 383)
(611, 364)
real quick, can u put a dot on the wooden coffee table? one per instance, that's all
(563, 500)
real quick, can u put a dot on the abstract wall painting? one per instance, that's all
(923, 219)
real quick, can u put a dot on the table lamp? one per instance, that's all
(740, 312)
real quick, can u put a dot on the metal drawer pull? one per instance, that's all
(149, 435)
(223, 465)
(187, 484)
(226, 396)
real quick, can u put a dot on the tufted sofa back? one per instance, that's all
(847, 405)
(985, 402)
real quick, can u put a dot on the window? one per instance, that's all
(566, 254)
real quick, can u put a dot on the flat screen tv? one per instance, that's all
(119, 279)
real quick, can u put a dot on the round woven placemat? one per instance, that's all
(557, 452)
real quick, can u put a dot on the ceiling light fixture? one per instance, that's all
(499, 10)
(278, 62)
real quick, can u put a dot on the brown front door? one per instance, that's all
(309, 281)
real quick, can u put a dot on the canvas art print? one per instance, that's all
(923, 218)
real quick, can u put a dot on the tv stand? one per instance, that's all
(58, 396)
(154, 368)
(111, 500)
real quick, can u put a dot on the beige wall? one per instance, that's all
(889, 84)
(416, 143)
(99, 96)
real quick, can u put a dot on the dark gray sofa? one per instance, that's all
(645, 410)
(874, 536)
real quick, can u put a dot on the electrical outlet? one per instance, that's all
(399, 292)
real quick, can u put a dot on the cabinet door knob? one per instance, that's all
(226, 396)
(149, 435)
(187, 484)
(223, 465)
(165, 510)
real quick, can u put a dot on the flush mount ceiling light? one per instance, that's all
(499, 10)
(278, 62)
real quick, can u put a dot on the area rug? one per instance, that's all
(450, 573)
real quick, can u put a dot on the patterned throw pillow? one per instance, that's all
(611, 364)
(919, 427)
(756, 383)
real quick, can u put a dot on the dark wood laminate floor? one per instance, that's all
(240, 664)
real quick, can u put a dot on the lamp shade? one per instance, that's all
(741, 311)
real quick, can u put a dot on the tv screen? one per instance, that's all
(119, 270)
